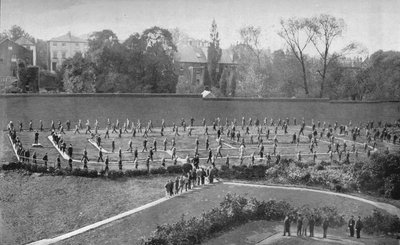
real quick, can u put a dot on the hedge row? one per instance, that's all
(35, 168)
(233, 211)
(243, 172)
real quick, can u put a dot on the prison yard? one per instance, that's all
(275, 140)
(282, 146)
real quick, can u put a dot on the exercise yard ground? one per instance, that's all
(131, 229)
(185, 145)
(36, 207)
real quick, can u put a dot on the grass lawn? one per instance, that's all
(133, 228)
(36, 207)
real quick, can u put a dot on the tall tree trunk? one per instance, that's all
(321, 92)
(304, 77)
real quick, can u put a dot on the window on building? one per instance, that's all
(1, 60)
(77, 44)
(54, 44)
(63, 44)
(64, 55)
(55, 55)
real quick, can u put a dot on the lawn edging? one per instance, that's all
(112, 174)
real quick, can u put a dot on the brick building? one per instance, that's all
(11, 53)
(192, 59)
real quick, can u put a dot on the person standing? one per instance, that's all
(286, 226)
(351, 225)
(45, 159)
(306, 223)
(312, 223)
(325, 225)
(359, 226)
(299, 225)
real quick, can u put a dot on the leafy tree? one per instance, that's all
(79, 75)
(382, 75)
(223, 82)
(250, 39)
(187, 87)
(206, 78)
(294, 31)
(214, 54)
(178, 35)
(232, 84)
(158, 59)
(322, 31)
(16, 32)
(41, 53)
(22, 75)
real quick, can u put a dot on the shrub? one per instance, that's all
(234, 210)
(187, 167)
(160, 170)
(320, 167)
(79, 172)
(175, 169)
(93, 173)
(392, 186)
(41, 169)
(224, 168)
(380, 223)
(114, 174)
(136, 172)
(61, 172)
(12, 166)
(51, 170)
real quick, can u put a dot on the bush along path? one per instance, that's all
(235, 210)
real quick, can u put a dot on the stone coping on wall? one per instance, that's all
(139, 95)
(171, 95)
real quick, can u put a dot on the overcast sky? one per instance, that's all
(374, 23)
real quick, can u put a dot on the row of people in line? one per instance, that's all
(306, 223)
(195, 177)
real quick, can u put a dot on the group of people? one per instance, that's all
(318, 132)
(195, 177)
(306, 223)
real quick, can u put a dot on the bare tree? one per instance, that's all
(250, 36)
(295, 33)
(322, 31)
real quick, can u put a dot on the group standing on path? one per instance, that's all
(306, 223)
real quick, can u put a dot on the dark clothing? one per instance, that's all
(359, 226)
(286, 226)
(312, 223)
(351, 225)
(325, 225)
(299, 225)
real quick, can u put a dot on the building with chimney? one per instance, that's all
(192, 59)
(64, 47)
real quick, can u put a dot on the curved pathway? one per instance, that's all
(385, 206)
(389, 208)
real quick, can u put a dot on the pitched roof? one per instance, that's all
(24, 41)
(191, 54)
(7, 39)
(68, 38)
